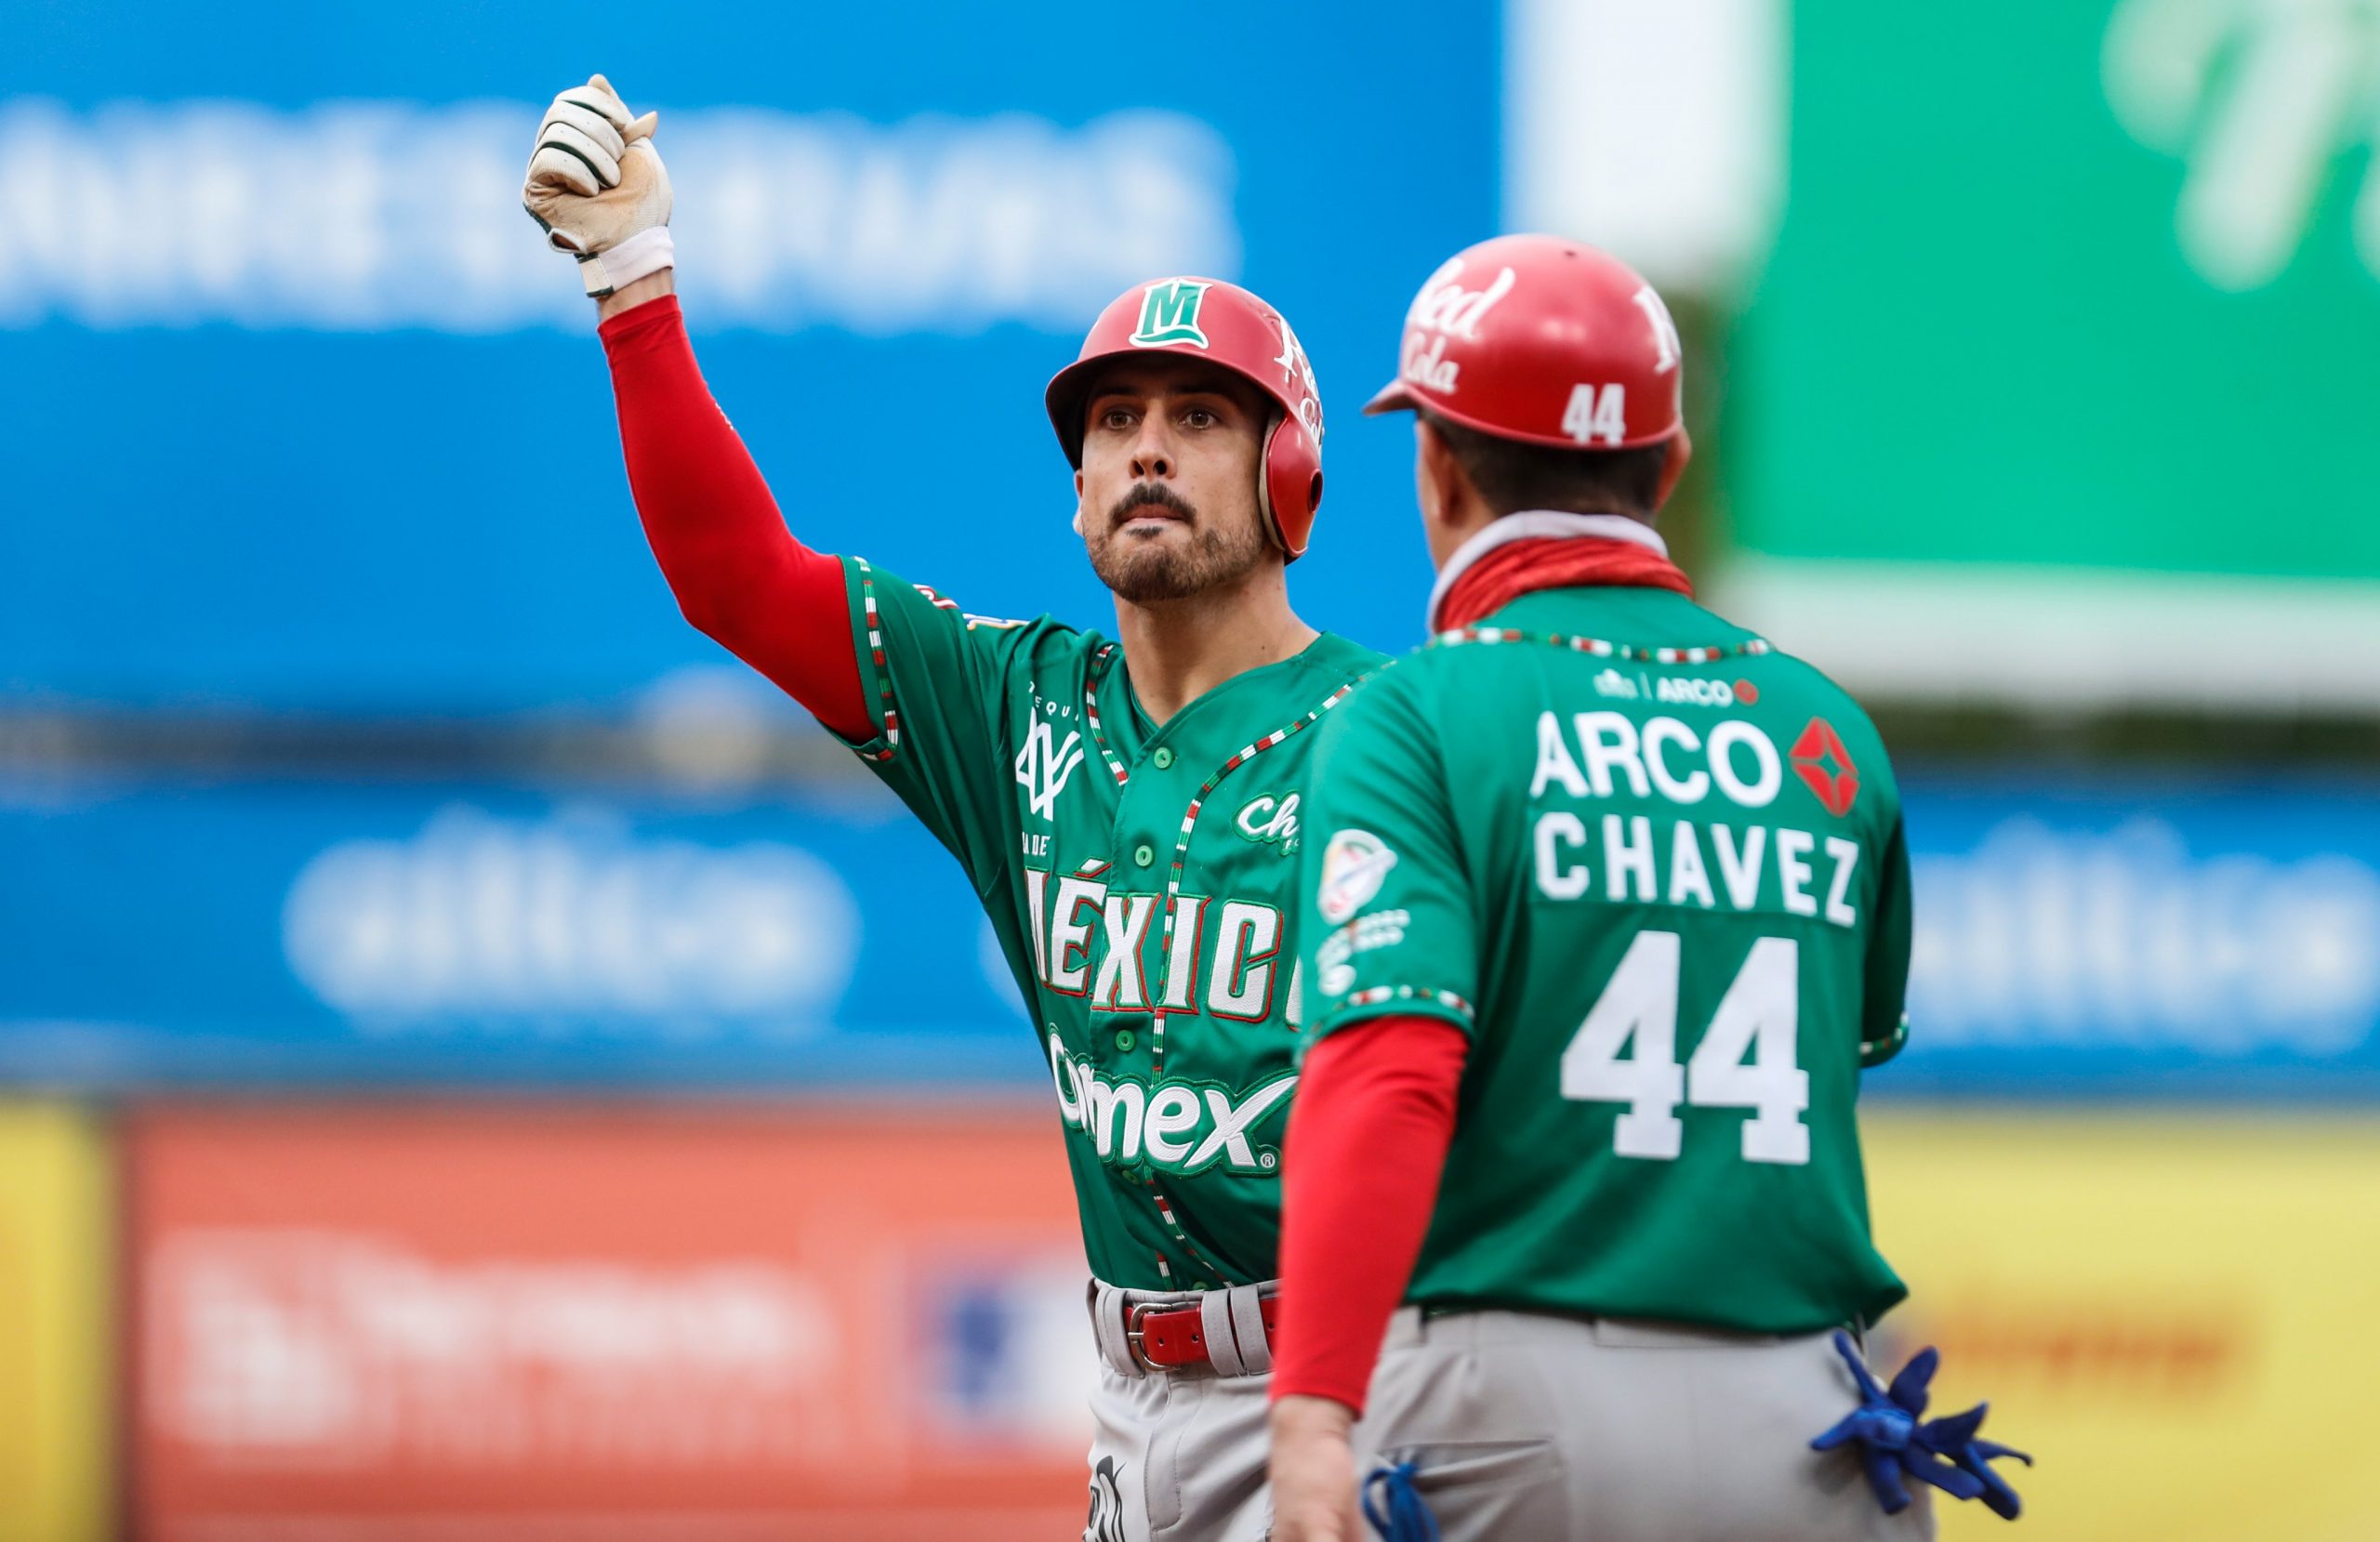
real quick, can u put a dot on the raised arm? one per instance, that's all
(738, 572)
(597, 186)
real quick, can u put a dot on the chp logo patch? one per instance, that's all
(1269, 820)
(1353, 866)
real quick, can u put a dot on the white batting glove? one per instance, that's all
(597, 186)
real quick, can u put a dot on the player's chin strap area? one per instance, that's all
(1895, 1446)
(1228, 1332)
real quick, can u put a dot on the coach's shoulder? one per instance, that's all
(1823, 724)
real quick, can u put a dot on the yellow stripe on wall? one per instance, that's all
(2180, 1315)
(57, 1222)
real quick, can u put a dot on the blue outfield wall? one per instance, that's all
(2094, 942)
(301, 932)
(2144, 936)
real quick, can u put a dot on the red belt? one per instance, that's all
(1166, 1338)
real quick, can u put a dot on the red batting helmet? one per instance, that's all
(1209, 319)
(1547, 341)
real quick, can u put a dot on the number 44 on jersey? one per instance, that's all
(1760, 1013)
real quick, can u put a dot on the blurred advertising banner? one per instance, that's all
(2153, 937)
(405, 1322)
(286, 462)
(2157, 936)
(2174, 1315)
(297, 932)
(57, 1301)
(2064, 394)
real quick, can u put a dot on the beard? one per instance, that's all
(1149, 569)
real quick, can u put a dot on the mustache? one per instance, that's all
(1149, 494)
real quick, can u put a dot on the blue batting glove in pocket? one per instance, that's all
(1399, 1514)
(1897, 1441)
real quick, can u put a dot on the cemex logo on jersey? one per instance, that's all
(1177, 1126)
(1043, 765)
(1170, 314)
(1353, 866)
(1819, 759)
(1445, 309)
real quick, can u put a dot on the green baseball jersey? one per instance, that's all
(1654, 870)
(1141, 882)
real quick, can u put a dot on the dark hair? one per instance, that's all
(1512, 475)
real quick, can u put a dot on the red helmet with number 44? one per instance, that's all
(1221, 323)
(1548, 341)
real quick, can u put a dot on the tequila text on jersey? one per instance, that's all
(1669, 859)
(1226, 957)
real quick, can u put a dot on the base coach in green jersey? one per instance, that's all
(1606, 907)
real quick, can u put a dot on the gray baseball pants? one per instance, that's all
(1178, 1455)
(1524, 1426)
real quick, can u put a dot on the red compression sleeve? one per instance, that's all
(1368, 1133)
(738, 573)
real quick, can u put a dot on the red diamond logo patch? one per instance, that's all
(1820, 761)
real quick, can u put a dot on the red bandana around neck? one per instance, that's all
(1522, 567)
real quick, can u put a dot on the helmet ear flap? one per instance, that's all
(1289, 486)
(1264, 481)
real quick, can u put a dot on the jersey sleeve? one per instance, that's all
(1368, 1133)
(1883, 1016)
(938, 683)
(1388, 920)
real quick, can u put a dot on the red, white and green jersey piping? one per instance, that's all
(1140, 881)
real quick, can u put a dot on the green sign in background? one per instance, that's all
(1980, 337)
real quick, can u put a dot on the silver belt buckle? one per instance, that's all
(1132, 1317)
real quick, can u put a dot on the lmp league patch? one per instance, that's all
(1353, 866)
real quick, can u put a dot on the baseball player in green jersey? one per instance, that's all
(1127, 809)
(1606, 905)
